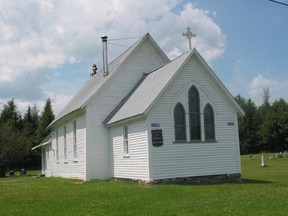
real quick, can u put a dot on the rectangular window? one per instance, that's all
(65, 143)
(57, 146)
(125, 141)
(47, 152)
(75, 140)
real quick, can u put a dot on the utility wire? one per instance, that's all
(278, 2)
(119, 39)
(117, 44)
(18, 51)
(128, 38)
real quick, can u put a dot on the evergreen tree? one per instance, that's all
(47, 116)
(264, 109)
(30, 124)
(30, 121)
(10, 116)
(248, 126)
(266, 97)
(18, 136)
(14, 146)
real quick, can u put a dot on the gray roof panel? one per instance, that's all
(47, 140)
(151, 87)
(96, 82)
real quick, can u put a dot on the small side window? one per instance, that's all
(65, 143)
(125, 140)
(75, 140)
(57, 146)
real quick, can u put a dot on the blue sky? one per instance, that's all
(47, 47)
(256, 46)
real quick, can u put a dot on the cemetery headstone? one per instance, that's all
(263, 162)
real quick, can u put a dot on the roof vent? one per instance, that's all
(105, 56)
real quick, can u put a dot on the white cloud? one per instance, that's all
(259, 83)
(58, 101)
(39, 36)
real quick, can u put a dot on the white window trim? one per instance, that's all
(75, 146)
(125, 142)
(65, 144)
(182, 97)
(57, 146)
(47, 153)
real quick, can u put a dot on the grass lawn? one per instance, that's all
(264, 191)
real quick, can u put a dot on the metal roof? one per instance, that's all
(141, 99)
(47, 140)
(151, 87)
(144, 94)
(97, 81)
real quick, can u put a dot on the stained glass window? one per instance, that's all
(194, 113)
(179, 123)
(209, 124)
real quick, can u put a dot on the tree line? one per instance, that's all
(18, 134)
(264, 128)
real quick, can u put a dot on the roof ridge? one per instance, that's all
(74, 104)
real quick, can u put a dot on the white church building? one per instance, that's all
(148, 118)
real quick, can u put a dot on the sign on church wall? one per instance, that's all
(157, 137)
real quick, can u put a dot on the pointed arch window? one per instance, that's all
(209, 123)
(194, 113)
(179, 123)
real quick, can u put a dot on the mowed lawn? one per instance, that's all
(264, 191)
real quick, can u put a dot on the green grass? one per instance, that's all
(264, 191)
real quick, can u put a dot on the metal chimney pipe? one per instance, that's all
(105, 56)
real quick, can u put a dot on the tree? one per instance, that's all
(248, 126)
(13, 142)
(266, 97)
(13, 148)
(45, 119)
(18, 136)
(10, 116)
(264, 109)
(30, 124)
(274, 129)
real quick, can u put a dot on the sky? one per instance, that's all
(47, 47)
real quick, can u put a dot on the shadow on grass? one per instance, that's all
(236, 182)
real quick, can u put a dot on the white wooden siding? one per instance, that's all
(194, 159)
(143, 60)
(134, 166)
(69, 168)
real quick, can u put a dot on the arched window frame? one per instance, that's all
(194, 114)
(179, 122)
(209, 123)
